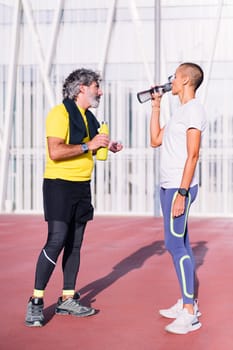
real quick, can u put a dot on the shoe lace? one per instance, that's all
(72, 303)
(36, 310)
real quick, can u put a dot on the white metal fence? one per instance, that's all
(122, 185)
(119, 38)
(216, 170)
(126, 183)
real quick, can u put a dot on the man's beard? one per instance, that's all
(94, 100)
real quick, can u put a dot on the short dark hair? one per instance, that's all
(196, 73)
(82, 76)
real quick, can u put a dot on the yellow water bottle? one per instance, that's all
(102, 152)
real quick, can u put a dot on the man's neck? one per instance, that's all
(186, 96)
(81, 104)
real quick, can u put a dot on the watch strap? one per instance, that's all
(183, 192)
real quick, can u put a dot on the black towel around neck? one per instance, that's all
(78, 129)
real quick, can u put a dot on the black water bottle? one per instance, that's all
(146, 95)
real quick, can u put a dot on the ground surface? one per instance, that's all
(127, 275)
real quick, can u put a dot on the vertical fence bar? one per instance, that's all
(9, 104)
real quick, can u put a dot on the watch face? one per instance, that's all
(183, 191)
(84, 147)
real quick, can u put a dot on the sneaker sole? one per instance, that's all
(166, 316)
(34, 324)
(179, 331)
(65, 312)
(174, 317)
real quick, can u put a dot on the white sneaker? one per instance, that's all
(174, 310)
(184, 323)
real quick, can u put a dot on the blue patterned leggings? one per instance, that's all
(177, 240)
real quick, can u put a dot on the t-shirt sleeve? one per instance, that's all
(57, 123)
(196, 118)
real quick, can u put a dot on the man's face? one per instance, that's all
(93, 93)
(177, 81)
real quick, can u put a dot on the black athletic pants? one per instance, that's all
(67, 208)
(60, 236)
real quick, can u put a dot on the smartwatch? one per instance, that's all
(183, 192)
(84, 147)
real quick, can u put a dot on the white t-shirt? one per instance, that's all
(174, 147)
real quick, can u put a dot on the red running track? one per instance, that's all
(127, 275)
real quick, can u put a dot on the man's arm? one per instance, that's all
(193, 147)
(59, 150)
(156, 132)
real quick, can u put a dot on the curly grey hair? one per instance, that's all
(79, 77)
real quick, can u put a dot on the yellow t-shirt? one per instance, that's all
(76, 169)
